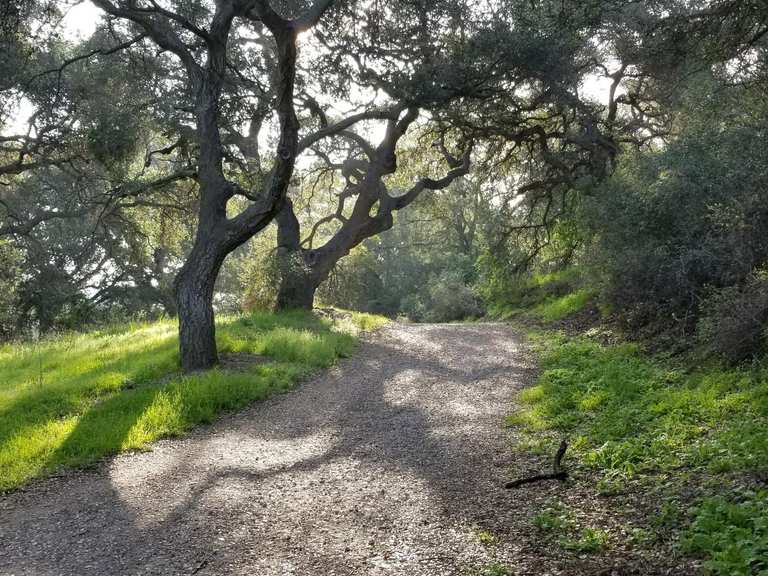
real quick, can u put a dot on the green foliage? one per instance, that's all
(732, 534)
(447, 298)
(629, 415)
(70, 400)
(633, 418)
(365, 322)
(559, 523)
(554, 519)
(679, 233)
(559, 308)
(550, 296)
(734, 320)
(588, 540)
(10, 279)
(486, 537)
(423, 267)
(357, 283)
(494, 569)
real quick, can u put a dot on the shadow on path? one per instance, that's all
(382, 465)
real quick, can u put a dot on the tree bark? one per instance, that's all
(194, 298)
(297, 286)
(299, 274)
(298, 281)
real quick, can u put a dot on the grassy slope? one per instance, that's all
(548, 297)
(71, 400)
(692, 442)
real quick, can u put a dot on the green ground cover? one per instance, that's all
(75, 398)
(637, 420)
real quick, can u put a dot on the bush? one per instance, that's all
(734, 320)
(258, 275)
(451, 299)
(355, 283)
(687, 225)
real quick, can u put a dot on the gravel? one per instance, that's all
(390, 463)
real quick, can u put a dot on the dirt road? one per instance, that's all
(390, 463)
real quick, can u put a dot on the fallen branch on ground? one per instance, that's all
(557, 470)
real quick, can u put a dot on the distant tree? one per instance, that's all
(459, 78)
(650, 54)
(432, 248)
(82, 191)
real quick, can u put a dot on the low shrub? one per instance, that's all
(735, 319)
(731, 534)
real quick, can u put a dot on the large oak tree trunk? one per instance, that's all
(301, 273)
(194, 299)
(298, 278)
(217, 233)
(297, 289)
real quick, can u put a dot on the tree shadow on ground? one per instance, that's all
(224, 499)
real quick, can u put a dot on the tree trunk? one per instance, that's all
(297, 290)
(194, 300)
(298, 277)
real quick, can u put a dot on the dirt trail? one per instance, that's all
(389, 463)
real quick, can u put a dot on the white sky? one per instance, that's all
(81, 20)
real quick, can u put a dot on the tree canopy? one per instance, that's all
(180, 130)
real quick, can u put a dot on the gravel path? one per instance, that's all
(389, 463)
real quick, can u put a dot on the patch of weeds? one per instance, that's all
(731, 534)
(486, 537)
(494, 569)
(554, 519)
(635, 415)
(611, 485)
(668, 516)
(368, 322)
(588, 541)
(647, 425)
(641, 536)
(546, 294)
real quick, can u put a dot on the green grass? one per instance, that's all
(549, 297)
(486, 537)
(554, 519)
(627, 414)
(71, 400)
(635, 419)
(554, 309)
(559, 523)
(587, 541)
(567, 276)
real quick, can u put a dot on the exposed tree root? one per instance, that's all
(557, 470)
